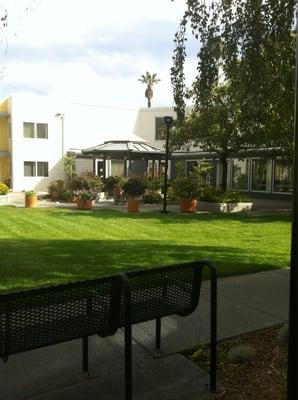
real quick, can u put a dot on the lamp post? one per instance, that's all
(168, 121)
(61, 117)
(292, 388)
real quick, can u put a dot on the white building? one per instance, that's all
(35, 134)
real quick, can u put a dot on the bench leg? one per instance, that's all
(213, 334)
(85, 355)
(128, 362)
(157, 333)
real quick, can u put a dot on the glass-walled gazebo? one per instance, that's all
(126, 158)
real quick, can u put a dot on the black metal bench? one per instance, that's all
(36, 318)
(155, 293)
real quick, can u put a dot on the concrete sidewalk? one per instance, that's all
(245, 303)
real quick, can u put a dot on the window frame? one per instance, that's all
(159, 127)
(35, 168)
(43, 164)
(273, 177)
(33, 165)
(251, 175)
(31, 124)
(39, 124)
(35, 130)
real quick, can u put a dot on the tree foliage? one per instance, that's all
(243, 93)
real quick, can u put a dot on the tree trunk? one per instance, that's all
(224, 164)
(149, 95)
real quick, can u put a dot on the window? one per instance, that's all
(29, 168)
(117, 168)
(261, 175)
(33, 168)
(240, 174)
(42, 168)
(32, 130)
(283, 176)
(191, 166)
(42, 131)
(28, 130)
(159, 128)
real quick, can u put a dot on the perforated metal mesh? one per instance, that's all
(46, 316)
(163, 291)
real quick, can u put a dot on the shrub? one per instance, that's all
(3, 189)
(134, 187)
(86, 182)
(154, 184)
(241, 353)
(67, 196)
(170, 194)
(218, 196)
(186, 187)
(152, 197)
(56, 190)
(112, 181)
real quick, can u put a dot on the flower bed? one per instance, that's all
(225, 207)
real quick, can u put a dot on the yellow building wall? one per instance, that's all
(4, 145)
(4, 134)
(4, 169)
(3, 106)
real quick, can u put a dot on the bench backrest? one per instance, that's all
(162, 291)
(44, 316)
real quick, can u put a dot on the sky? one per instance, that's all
(91, 51)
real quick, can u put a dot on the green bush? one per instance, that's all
(134, 187)
(152, 197)
(86, 182)
(112, 181)
(67, 196)
(218, 196)
(170, 194)
(56, 190)
(154, 184)
(186, 187)
(3, 189)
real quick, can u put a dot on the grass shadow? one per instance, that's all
(34, 262)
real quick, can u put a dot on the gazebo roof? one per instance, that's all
(122, 148)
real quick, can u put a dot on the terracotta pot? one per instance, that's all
(188, 205)
(84, 204)
(30, 201)
(133, 205)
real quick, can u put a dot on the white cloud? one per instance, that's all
(91, 51)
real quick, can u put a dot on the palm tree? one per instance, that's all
(149, 80)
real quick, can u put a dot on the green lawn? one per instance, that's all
(41, 246)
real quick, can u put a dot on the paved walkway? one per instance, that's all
(245, 303)
(18, 199)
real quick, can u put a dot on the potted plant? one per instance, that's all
(187, 189)
(84, 200)
(30, 199)
(224, 201)
(134, 188)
